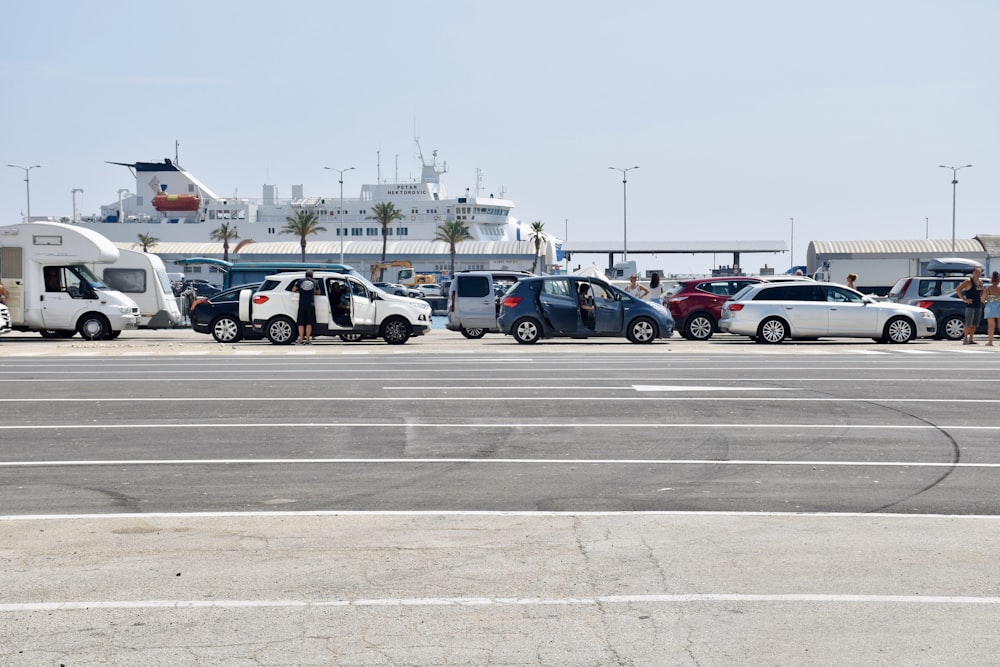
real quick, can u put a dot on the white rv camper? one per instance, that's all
(44, 267)
(143, 278)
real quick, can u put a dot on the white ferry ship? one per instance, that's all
(172, 205)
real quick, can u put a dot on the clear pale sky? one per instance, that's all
(740, 115)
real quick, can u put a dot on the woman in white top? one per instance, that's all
(655, 288)
(635, 289)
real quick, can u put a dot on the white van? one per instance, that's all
(44, 266)
(474, 300)
(143, 277)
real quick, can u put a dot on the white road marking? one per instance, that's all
(492, 513)
(493, 461)
(483, 425)
(688, 387)
(674, 599)
(489, 399)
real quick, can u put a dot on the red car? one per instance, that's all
(697, 304)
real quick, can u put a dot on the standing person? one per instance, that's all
(852, 278)
(586, 300)
(971, 292)
(655, 291)
(635, 289)
(307, 289)
(992, 309)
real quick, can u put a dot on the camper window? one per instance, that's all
(130, 281)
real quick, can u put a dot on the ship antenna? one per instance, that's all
(177, 151)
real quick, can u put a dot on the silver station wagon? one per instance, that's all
(770, 313)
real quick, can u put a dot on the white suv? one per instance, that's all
(366, 310)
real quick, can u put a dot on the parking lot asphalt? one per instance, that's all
(171, 501)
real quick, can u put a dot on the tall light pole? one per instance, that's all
(76, 216)
(792, 247)
(954, 187)
(340, 215)
(27, 184)
(624, 171)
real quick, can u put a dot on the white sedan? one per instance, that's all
(770, 313)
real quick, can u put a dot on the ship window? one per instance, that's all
(402, 231)
(357, 231)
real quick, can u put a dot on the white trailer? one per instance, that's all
(44, 266)
(143, 277)
(875, 275)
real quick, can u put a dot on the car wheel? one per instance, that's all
(898, 330)
(51, 333)
(93, 326)
(641, 330)
(953, 328)
(772, 330)
(473, 333)
(225, 329)
(351, 337)
(114, 334)
(396, 331)
(281, 331)
(527, 330)
(699, 327)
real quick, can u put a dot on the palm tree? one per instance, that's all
(225, 233)
(386, 213)
(537, 235)
(452, 232)
(146, 242)
(302, 224)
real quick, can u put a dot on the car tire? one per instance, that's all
(281, 331)
(113, 334)
(473, 333)
(527, 330)
(396, 330)
(772, 331)
(225, 329)
(952, 328)
(641, 330)
(898, 330)
(93, 326)
(351, 337)
(699, 326)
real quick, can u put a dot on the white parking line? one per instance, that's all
(494, 461)
(672, 599)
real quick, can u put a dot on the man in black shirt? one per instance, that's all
(307, 289)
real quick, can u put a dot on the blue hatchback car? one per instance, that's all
(579, 307)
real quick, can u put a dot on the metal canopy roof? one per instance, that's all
(903, 247)
(675, 247)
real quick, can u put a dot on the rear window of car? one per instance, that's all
(559, 287)
(473, 286)
(722, 287)
(268, 286)
(939, 287)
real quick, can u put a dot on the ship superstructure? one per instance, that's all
(172, 205)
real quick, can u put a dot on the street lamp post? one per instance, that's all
(76, 216)
(954, 187)
(340, 216)
(792, 247)
(27, 184)
(624, 171)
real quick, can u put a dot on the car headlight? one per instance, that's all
(125, 310)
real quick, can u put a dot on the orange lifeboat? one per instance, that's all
(167, 202)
